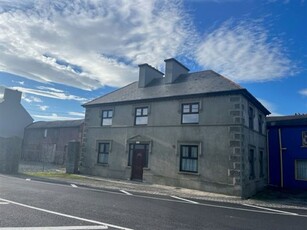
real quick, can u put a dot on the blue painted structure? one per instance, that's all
(286, 147)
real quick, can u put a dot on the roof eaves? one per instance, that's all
(257, 103)
(217, 93)
(91, 102)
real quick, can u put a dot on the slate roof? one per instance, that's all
(204, 82)
(55, 124)
(294, 120)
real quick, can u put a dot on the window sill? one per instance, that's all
(103, 165)
(190, 123)
(189, 173)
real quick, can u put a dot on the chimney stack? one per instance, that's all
(147, 74)
(12, 96)
(173, 69)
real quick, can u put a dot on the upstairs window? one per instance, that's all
(304, 138)
(189, 158)
(251, 117)
(260, 123)
(190, 113)
(103, 152)
(141, 116)
(107, 116)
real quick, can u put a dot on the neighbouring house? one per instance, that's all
(287, 139)
(46, 141)
(13, 116)
(194, 130)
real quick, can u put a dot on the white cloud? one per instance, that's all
(50, 88)
(31, 99)
(87, 44)
(50, 94)
(303, 92)
(244, 52)
(53, 117)
(76, 114)
(43, 107)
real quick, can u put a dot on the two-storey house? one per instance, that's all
(195, 130)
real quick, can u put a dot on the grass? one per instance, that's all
(53, 175)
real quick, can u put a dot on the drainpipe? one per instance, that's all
(281, 159)
(268, 155)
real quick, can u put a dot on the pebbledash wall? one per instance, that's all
(230, 137)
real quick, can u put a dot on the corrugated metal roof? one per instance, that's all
(187, 84)
(56, 124)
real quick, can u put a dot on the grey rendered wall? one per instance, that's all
(258, 141)
(219, 134)
(10, 149)
(14, 118)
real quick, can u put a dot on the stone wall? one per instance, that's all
(10, 149)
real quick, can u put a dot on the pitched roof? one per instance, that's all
(186, 84)
(204, 82)
(292, 120)
(55, 124)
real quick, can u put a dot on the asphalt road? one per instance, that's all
(28, 204)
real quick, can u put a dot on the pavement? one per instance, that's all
(270, 197)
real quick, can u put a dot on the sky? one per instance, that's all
(61, 54)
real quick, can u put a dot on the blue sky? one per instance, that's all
(61, 54)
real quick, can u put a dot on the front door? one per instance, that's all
(138, 162)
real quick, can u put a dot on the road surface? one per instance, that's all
(29, 204)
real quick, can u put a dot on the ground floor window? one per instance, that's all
(143, 148)
(301, 169)
(189, 158)
(251, 161)
(103, 152)
(261, 164)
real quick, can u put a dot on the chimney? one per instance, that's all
(12, 96)
(147, 74)
(173, 69)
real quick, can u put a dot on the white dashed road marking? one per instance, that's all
(127, 193)
(270, 209)
(65, 215)
(28, 179)
(3, 202)
(57, 228)
(73, 185)
(186, 200)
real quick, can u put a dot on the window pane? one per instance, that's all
(185, 151)
(186, 108)
(145, 111)
(194, 108)
(110, 113)
(141, 120)
(105, 114)
(304, 138)
(107, 121)
(189, 158)
(190, 118)
(194, 151)
(138, 112)
(301, 170)
(189, 165)
(103, 158)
